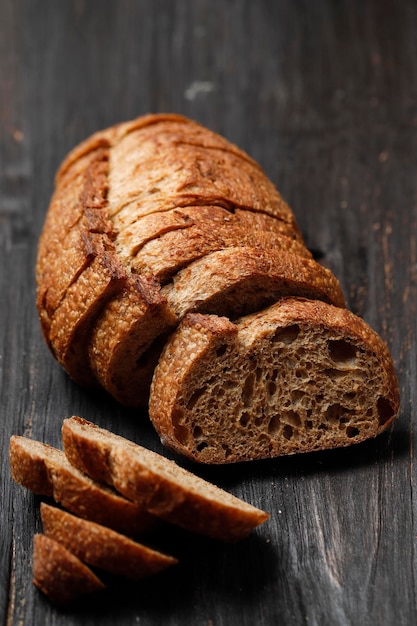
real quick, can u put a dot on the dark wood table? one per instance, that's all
(323, 93)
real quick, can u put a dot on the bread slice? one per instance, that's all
(160, 485)
(193, 231)
(101, 547)
(122, 334)
(211, 229)
(47, 471)
(299, 376)
(76, 229)
(71, 323)
(240, 280)
(60, 575)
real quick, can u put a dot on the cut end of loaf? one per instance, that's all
(297, 377)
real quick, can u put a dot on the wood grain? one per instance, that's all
(324, 95)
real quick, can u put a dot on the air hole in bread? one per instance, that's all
(195, 397)
(286, 335)
(244, 418)
(220, 351)
(301, 373)
(341, 351)
(181, 432)
(271, 387)
(336, 412)
(202, 445)
(197, 431)
(297, 395)
(351, 431)
(334, 373)
(287, 431)
(293, 418)
(274, 425)
(385, 410)
(247, 390)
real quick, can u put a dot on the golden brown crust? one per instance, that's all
(165, 489)
(202, 230)
(47, 471)
(102, 547)
(60, 575)
(299, 376)
(68, 242)
(178, 169)
(237, 281)
(199, 229)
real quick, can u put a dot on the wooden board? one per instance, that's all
(324, 95)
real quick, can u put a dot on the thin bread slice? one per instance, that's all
(123, 332)
(46, 471)
(76, 229)
(160, 485)
(299, 376)
(101, 547)
(240, 280)
(211, 229)
(60, 575)
(71, 323)
(200, 224)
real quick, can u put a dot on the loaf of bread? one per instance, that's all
(165, 489)
(160, 218)
(300, 376)
(46, 471)
(135, 208)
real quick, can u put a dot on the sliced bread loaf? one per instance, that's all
(299, 376)
(152, 220)
(160, 485)
(118, 197)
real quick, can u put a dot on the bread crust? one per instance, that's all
(266, 410)
(240, 280)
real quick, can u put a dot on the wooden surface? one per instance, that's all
(323, 94)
